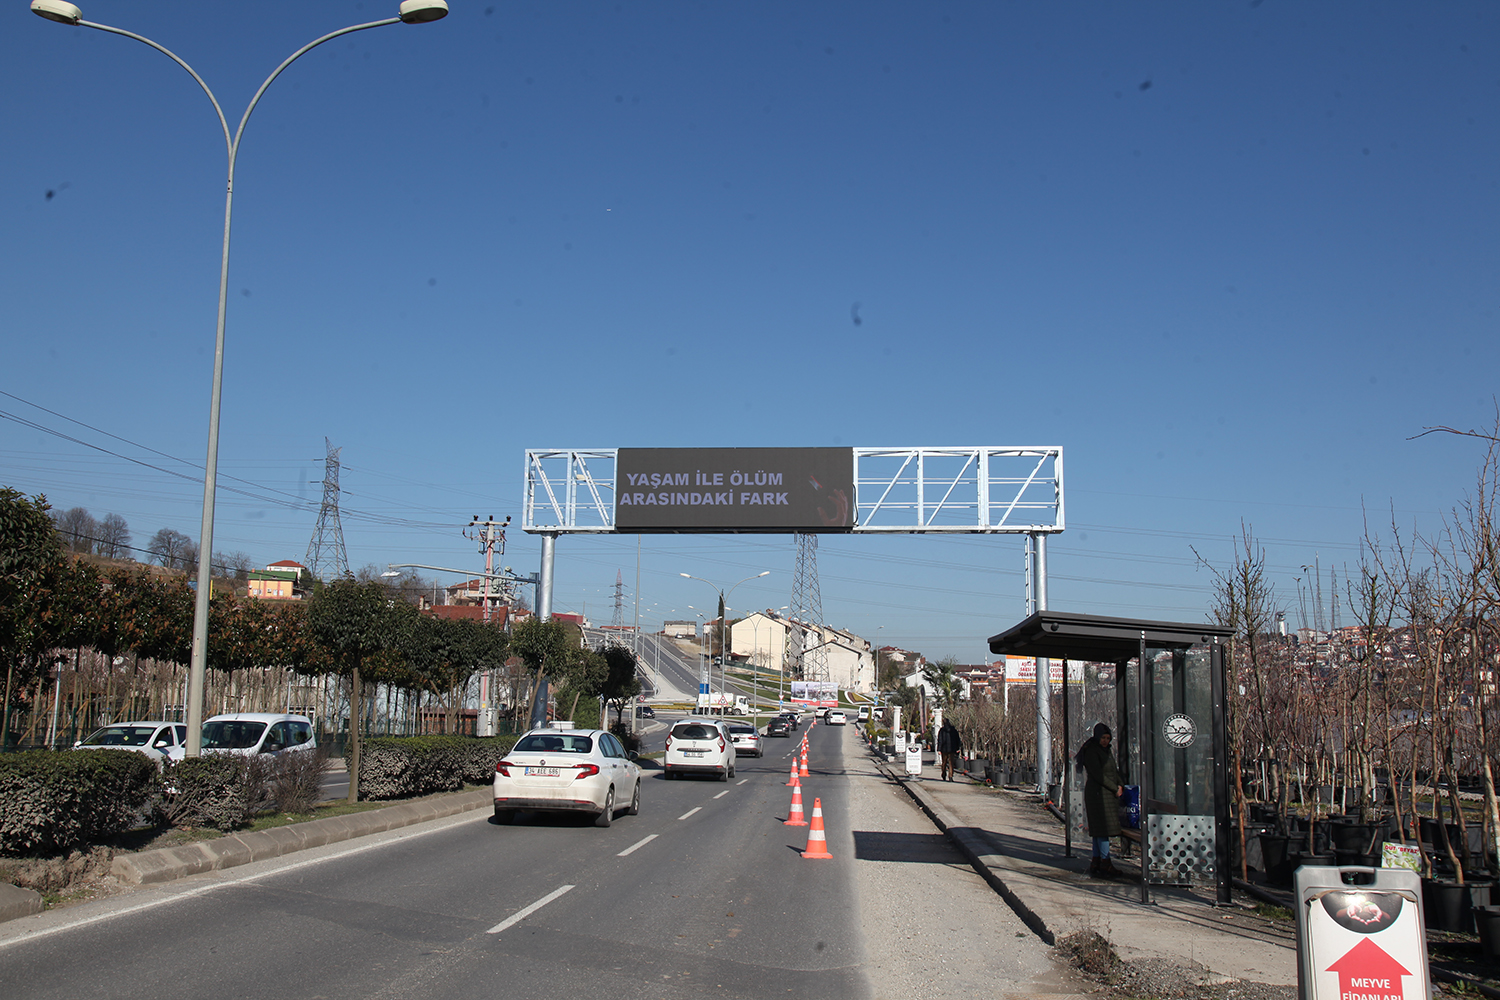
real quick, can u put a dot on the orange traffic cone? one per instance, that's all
(817, 844)
(794, 818)
(803, 772)
(794, 781)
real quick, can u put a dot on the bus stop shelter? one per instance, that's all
(1161, 687)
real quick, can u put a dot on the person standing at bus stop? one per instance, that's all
(1100, 791)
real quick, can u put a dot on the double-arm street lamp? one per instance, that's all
(723, 623)
(410, 12)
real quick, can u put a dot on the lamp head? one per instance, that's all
(422, 11)
(56, 10)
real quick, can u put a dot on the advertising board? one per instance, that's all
(1022, 670)
(734, 489)
(822, 694)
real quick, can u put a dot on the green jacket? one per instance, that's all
(1099, 799)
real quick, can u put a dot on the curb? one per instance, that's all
(17, 902)
(170, 863)
(976, 850)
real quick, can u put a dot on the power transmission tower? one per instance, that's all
(619, 618)
(807, 613)
(325, 558)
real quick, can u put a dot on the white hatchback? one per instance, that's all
(567, 770)
(836, 718)
(250, 733)
(700, 746)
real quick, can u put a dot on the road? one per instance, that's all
(705, 893)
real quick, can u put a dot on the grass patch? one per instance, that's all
(1273, 912)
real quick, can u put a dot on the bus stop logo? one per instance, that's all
(1179, 731)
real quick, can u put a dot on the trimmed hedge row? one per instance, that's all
(398, 766)
(51, 802)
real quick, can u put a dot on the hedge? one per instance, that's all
(51, 802)
(397, 766)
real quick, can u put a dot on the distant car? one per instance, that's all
(250, 733)
(836, 718)
(779, 727)
(159, 740)
(793, 720)
(822, 712)
(864, 714)
(746, 739)
(699, 746)
(645, 712)
(568, 771)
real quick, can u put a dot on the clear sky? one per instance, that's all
(1231, 256)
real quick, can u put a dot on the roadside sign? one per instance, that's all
(914, 758)
(1360, 939)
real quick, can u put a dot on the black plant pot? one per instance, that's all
(1358, 837)
(1448, 906)
(1357, 858)
(1487, 923)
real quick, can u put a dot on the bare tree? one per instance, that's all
(78, 529)
(172, 549)
(236, 564)
(114, 537)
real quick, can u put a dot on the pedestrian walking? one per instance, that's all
(949, 746)
(1100, 791)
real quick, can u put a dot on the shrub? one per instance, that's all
(396, 766)
(217, 790)
(50, 801)
(296, 779)
(622, 733)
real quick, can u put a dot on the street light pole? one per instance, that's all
(410, 12)
(723, 621)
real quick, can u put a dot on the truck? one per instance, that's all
(722, 703)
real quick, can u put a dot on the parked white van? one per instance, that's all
(250, 733)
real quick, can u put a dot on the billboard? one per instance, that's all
(734, 489)
(1022, 670)
(819, 693)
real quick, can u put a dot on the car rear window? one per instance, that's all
(553, 743)
(694, 731)
(743, 730)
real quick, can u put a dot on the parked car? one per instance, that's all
(746, 739)
(568, 771)
(159, 740)
(250, 733)
(779, 727)
(699, 746)
(835, 717)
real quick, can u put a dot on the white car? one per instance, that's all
(568, 771)
(161, 741)
(836, 718)
(250, 733)
(699, 746)
(864, 714)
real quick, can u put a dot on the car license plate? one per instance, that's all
(694, 753)
(544, 772)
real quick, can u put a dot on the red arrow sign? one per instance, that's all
(1366, 972)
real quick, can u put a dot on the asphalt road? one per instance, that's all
(705, 893)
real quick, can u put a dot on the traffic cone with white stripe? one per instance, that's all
(817, 843)
(803, 772)
(795, 817)
(794, 782)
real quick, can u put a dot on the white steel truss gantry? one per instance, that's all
(979, 490)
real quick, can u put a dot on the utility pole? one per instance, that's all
(490, 534)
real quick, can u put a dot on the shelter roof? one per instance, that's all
(1065, 635)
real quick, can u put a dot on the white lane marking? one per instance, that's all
(740, 782)
(637, 844)
(689, 812)
(520, 915)
(722, 794)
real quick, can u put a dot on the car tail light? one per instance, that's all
(669, 741)
(587, 770)
(503, 767)
(721, 744)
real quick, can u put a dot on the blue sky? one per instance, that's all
(1230, 256)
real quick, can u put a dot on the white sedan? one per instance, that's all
(568, 770)
(836, 718)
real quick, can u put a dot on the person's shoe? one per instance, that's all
(1107, 869)
(1093, 866)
